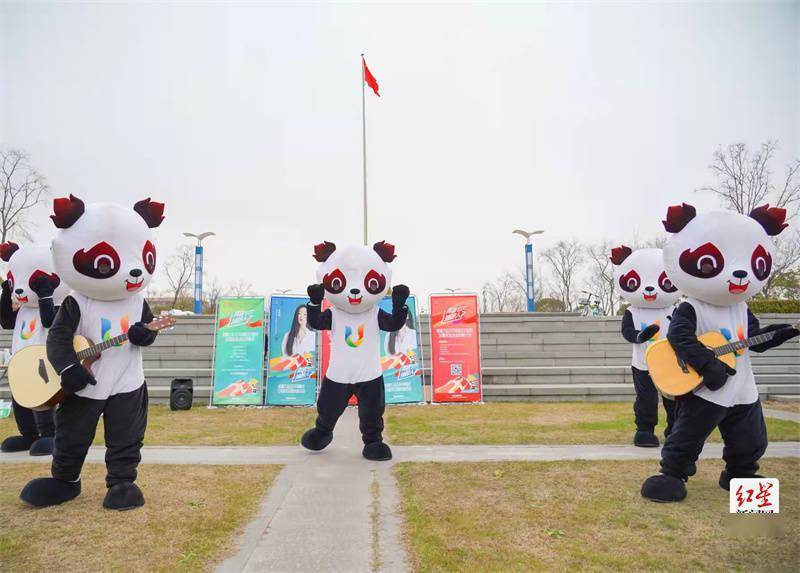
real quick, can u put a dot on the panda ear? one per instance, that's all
(67, 210)
(619, 254)
(323, 251)
(151, 212)
(8, 249)
(771, 218)
(385, 251)
(678, 216)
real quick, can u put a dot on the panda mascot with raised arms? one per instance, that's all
(718, 260)
(105, 252)
(641, 281)
(37, 291)
(354, 279)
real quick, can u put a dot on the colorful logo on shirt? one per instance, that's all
(348, 336)
(27, 330)
(739, 334)
(105, 328)
(657, 335)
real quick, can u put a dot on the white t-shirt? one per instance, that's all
(304, 343)
(731, 321)
(355, 347)
(119, 368)
(28, 329)
(642, 318)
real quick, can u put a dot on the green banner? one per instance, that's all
(239, 352)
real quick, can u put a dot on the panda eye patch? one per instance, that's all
(761, 262)
(665, 284)
(99, 262)
(374, 282)
(704, 262)
(149, 257)
(334, 282)
(630, 281)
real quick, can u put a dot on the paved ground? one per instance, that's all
(782, 415)
(336, 511)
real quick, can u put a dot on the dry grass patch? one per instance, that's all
(588, 516)
(785, 406)
(201, 426)
(533, 423)
(187, 524)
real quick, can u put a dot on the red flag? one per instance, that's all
(369, 78)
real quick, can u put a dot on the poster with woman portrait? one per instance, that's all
(401, 359)
(292, 370)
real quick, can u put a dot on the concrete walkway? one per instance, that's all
(782, 415)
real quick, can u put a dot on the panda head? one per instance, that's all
(105, 251)
(640, 278)
(356, 278)
(721, 257)
(25, 264)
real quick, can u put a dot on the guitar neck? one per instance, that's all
(105, 345)
(746, 343)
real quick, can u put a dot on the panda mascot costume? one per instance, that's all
(718, 260)
(354, 279)
(106, 254)
(36, 291)
(641, 281)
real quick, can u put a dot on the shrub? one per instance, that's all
(774, 306)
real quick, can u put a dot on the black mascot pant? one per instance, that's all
(332, 401)
(33, 425)
(124, 421)
(645, 406)
(743, 432)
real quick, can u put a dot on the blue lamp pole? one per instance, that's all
(528, 266)
(198, 269)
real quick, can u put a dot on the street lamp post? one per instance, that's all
(528, 265)
(198, 269)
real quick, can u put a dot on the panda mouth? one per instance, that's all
(650, 297)
(738, 288)
(354, 300)
(132, 286)
(22, 299)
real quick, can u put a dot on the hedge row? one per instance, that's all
(773, 305)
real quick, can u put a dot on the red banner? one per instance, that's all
(455, 349)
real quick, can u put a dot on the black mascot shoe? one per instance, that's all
(725, 479)
(316, 440)
(377, 452)
(664, 488)
(42, 447)
(16, 444)
(44, 492)
(123, 496)
(644, 439)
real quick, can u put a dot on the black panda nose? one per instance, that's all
(136, 272)
(740, 274)
(354, 291)
(19, 291)
(649, 288)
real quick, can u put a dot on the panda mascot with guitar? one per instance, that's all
(37, 292)
(641, 281)
(354, 279)
(105, 252)
(718, 260)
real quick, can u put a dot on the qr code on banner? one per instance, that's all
(456, 370)
(755, 495)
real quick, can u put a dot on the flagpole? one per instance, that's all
(364, 145)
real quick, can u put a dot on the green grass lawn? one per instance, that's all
(533, 423)
(188, 523)
(588, 516)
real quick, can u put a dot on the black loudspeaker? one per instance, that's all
(181, 392)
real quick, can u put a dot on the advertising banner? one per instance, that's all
(239, 352)
(292, 372)
(455, 349)
(401, 360)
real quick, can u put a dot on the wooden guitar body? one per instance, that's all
(34, 382)
(673, 377)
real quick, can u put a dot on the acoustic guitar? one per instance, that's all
(673, 377)
(34, 382)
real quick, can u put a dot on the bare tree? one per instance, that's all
(23, 188)
(178, 270)
(503, 294)
(211, 294)
(565, 259)
(601, 276)
(240, 288)
(744, 182)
